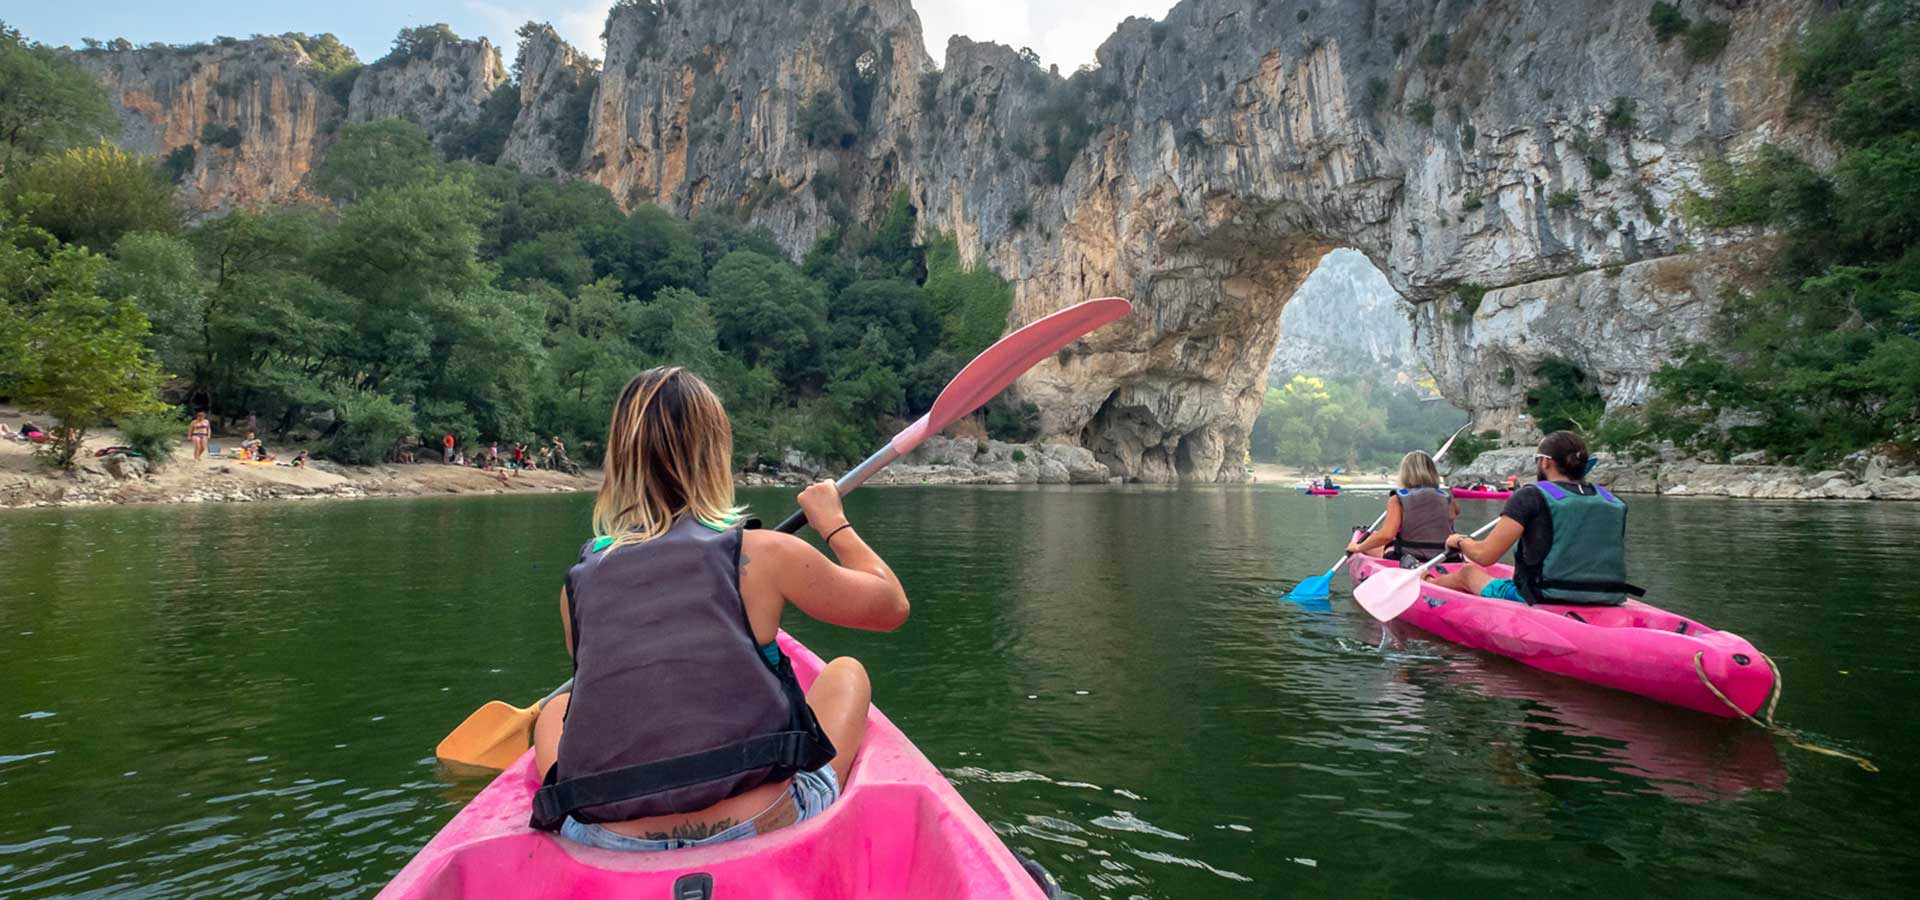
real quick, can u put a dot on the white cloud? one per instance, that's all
(579, 22)
(1063, 32)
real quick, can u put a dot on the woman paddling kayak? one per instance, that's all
(1568, 537)
(1419, 517)
(686, 725)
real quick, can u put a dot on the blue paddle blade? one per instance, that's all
(1319, 587)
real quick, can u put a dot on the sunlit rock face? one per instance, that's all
(1202, 169)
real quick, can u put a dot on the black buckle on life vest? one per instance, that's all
(787, 750)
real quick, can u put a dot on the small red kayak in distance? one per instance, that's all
(1477, 494)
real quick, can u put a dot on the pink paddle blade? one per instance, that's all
(1004, 362)
(1388, 594)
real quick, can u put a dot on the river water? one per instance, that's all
(241, 701)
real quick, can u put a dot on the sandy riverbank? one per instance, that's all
(25, 482)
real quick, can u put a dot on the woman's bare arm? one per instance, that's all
(858, 592)
(566, 620)
(1384, 535)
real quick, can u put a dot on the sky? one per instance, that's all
(1064, 32)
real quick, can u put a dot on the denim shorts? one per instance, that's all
(813, 792)
(1502, 589)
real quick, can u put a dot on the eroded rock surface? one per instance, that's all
(1533, 147)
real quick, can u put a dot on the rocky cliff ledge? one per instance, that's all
(1511, 165)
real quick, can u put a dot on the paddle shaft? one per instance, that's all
(1442, 555)
(854, 478)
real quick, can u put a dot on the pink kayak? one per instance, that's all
(1322, 492)
(900, 830)
(1634, 647)
(1477, 494)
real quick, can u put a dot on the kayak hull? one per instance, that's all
(898, 830)
(1322, 492)
(1475, 494)
(1634, 647)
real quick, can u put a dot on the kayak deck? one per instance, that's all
(1633, 647)
(898, 830)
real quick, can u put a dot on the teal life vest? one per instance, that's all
(1587, 562)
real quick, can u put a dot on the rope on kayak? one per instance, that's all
(1779, 689)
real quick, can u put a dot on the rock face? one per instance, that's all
(1673, 475)
(1620, 324)
(437, 93)
(1206, 164)
(243, 121)
(1345, 321)
(551, 74)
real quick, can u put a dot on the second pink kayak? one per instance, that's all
(1633, 647)
(899, 830)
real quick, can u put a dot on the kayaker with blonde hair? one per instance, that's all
(1419, 518)
(686, 726)
(1568, 537)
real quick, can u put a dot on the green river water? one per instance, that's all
(242, 701)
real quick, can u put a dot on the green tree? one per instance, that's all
(768, 314)
(46, 103)
(73, 354)
(971, 302)
(373, 157)
(91, 196)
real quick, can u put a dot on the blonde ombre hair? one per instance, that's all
(669, 455)
(1417, 471)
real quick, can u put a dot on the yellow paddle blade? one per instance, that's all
(492, 738)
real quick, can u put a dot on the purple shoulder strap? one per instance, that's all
(1551, 489)
(1603, 492)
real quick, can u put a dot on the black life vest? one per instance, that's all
(674, 708)
(1426, 518)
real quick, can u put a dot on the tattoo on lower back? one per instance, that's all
(744, 559)
(691, 831)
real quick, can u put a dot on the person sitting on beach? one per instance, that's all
(1419, 518)
(678, 601)
(299, 459)
(8, 434)
(1569, 537)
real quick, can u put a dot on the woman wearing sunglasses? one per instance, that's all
(1568, 537)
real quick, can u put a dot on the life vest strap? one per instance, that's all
(1596, 586)
(789, 750)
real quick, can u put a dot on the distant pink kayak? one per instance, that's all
(1634, 647)
(1322, 492)
(899, 830)
(1475, 494)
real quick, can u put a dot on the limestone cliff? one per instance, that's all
(240, 122)
(1345, 322)
(438, 91)
(1521, 155)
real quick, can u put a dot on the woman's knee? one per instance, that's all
(546, 732)
(845, 674)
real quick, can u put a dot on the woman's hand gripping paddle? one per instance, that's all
(1320, 586)
(1388, 594)
(496, 734)
(989, 374)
